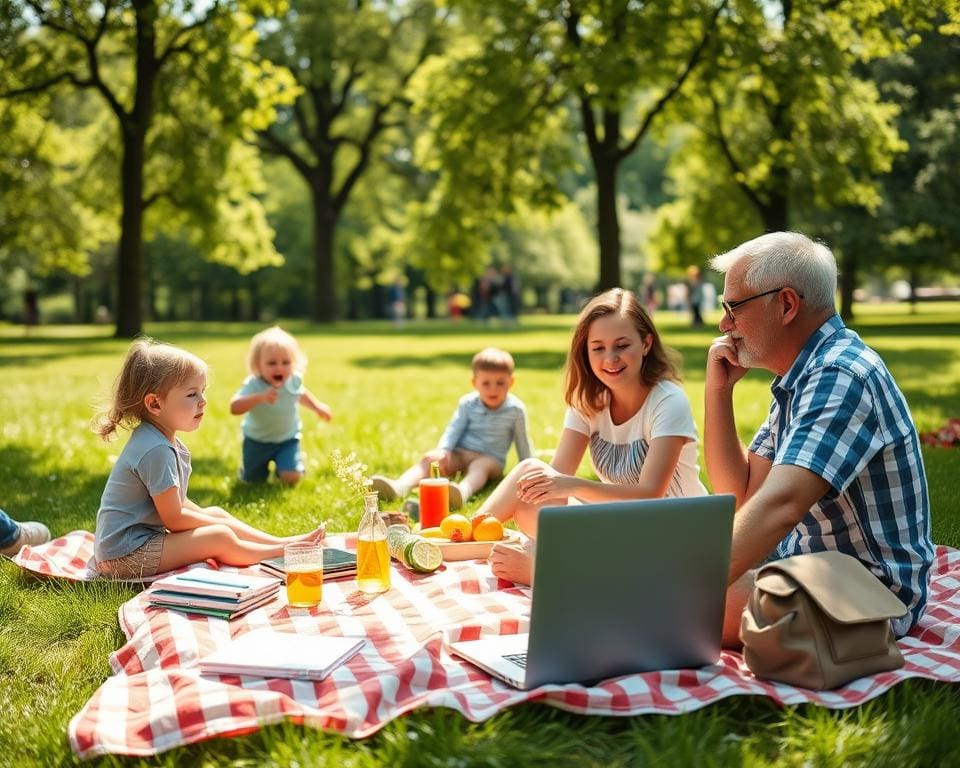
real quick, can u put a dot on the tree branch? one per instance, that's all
(173, 47)
(736, 169)
(337, 105)
(587, 118)
(376, 126)
(311, 137)
(45, 84)
(675, 87)
(149, 200)
(102, 26)
(273, 145)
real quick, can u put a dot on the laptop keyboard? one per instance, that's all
(520, 659)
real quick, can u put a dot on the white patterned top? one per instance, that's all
(617, 451)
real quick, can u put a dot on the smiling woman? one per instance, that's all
(625, 403)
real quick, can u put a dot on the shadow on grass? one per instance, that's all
(546, 360)
(65, 500)
(409, 331)
(206, 484)
(53, 350)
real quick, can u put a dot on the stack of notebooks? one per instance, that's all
(213, 593)
(337, 564)
(266, 653)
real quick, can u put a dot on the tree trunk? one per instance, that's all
(324, 307)
(254, 300)
(775, 213)
(848, 282)
(914, 277)
(133, 129)
(130, 254)
(608, 222)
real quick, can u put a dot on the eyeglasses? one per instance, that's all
(729, 306)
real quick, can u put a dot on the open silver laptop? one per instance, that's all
(620, 587)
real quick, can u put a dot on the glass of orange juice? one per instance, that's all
(303, 562)
(434, 501)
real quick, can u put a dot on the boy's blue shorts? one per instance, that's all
(257, 457)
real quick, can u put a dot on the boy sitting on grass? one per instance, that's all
(478, 436)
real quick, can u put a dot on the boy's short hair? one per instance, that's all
(493, 359)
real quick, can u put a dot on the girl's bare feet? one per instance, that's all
(317, 535)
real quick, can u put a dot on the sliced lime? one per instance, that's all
(422, 555)
(397, 536)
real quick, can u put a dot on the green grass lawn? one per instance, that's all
(392, 392)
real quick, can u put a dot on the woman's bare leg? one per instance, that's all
(504, 504)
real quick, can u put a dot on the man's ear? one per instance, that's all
(513, 381)
(790, 301)
(151, 401)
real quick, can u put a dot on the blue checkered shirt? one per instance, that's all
(474, 427)
(838, 413)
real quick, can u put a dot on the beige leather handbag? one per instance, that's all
(819, 621)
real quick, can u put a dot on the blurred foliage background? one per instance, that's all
(250, 159)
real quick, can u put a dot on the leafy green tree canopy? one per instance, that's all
(178, 80)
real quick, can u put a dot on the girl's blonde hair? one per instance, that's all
(584, 391)
(149, 367)
(274, 338)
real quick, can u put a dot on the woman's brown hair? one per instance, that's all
(149, 367)
(584, 391)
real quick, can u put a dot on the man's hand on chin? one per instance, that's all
(723, 364)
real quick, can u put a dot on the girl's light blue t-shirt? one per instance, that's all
(273, 422)
(148, 465)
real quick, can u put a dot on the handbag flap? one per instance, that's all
(776, 583)
(840, 585)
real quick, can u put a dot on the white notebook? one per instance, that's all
(265, 653)
(206, 581)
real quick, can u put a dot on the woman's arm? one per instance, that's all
(543, 487)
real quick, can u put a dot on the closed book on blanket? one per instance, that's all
(198, 606)
(211, 583)
(265, 653)
(167, 597)
(337, 564)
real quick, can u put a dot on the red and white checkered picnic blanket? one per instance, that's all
(157, 700)
(69, 557)
(66, 557)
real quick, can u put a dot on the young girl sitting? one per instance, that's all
(146, 524)
(625, 403)
(269, 398)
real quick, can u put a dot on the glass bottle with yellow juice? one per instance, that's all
(373, 558)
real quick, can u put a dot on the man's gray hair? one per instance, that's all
(787, 259)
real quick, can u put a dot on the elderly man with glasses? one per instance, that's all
(837, 463)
